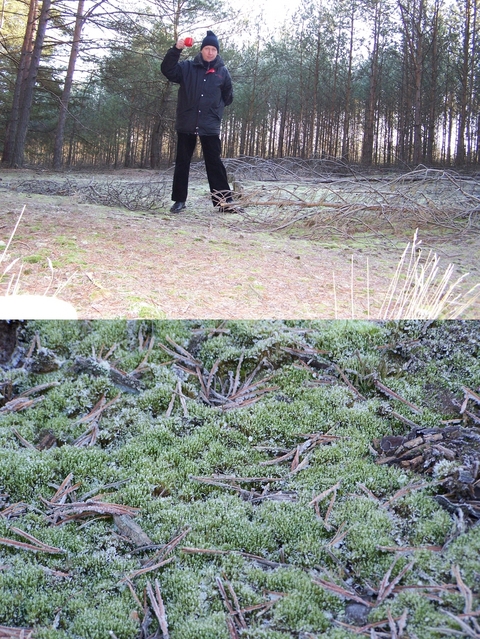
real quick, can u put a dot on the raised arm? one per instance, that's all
(171, 68)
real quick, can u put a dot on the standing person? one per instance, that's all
(205, 90)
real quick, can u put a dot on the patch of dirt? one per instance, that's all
(110, 262)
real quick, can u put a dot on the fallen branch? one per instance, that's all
(386, 586)
(325, 493)
(348, 382)
(213, 551)
(160, 558)
(388, 391)
(360, 630)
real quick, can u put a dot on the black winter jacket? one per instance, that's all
(205, 89)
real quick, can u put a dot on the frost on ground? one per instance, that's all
(267, 479)
(311, 242)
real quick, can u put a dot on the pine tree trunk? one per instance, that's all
(22, 74)
(348, 93)
(64, 100)
(27, 95)
(418, 65)
(369, 129)
(433, 90)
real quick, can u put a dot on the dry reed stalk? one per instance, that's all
(335, 296)
(423, 295)
(352, 292)
(368, 288)
(12, 235)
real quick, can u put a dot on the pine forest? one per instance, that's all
(378, 83)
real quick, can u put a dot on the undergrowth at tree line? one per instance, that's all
(279, 536)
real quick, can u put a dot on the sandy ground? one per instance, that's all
(109, 263)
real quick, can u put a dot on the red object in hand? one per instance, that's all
(188, 42)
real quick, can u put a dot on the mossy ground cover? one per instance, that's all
(263, 533)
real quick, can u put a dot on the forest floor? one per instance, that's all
(112, 262)
(199, 479)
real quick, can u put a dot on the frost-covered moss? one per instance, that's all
(427, 522)
(464, 552)
(149, 460)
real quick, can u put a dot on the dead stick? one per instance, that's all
(236, 603)
(329, 510)
(133, 593)
(26, 443)
(394, 395)
(223, 594)
(325, 493)
(232, 631)
(348, 382)
(143, 571)
(158, 607)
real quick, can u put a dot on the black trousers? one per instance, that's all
(216, 172)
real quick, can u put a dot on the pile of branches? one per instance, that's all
(136, 195)
(316, 203)
(65, 187)
(317, 169)
(315, 197)
(451, 451)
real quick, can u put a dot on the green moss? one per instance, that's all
(423, 617)
(369, 526)
(464, 552)
(428, 523)
(24, 474)
(211, 627)
(300, 613)
(150, 461)
(106, 612)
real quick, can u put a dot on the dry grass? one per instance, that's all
(15, 306)
(425, 292)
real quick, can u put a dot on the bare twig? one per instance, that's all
(158, 607)
(36, 545)
(343, 592)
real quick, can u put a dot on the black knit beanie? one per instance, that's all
(210, 40)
